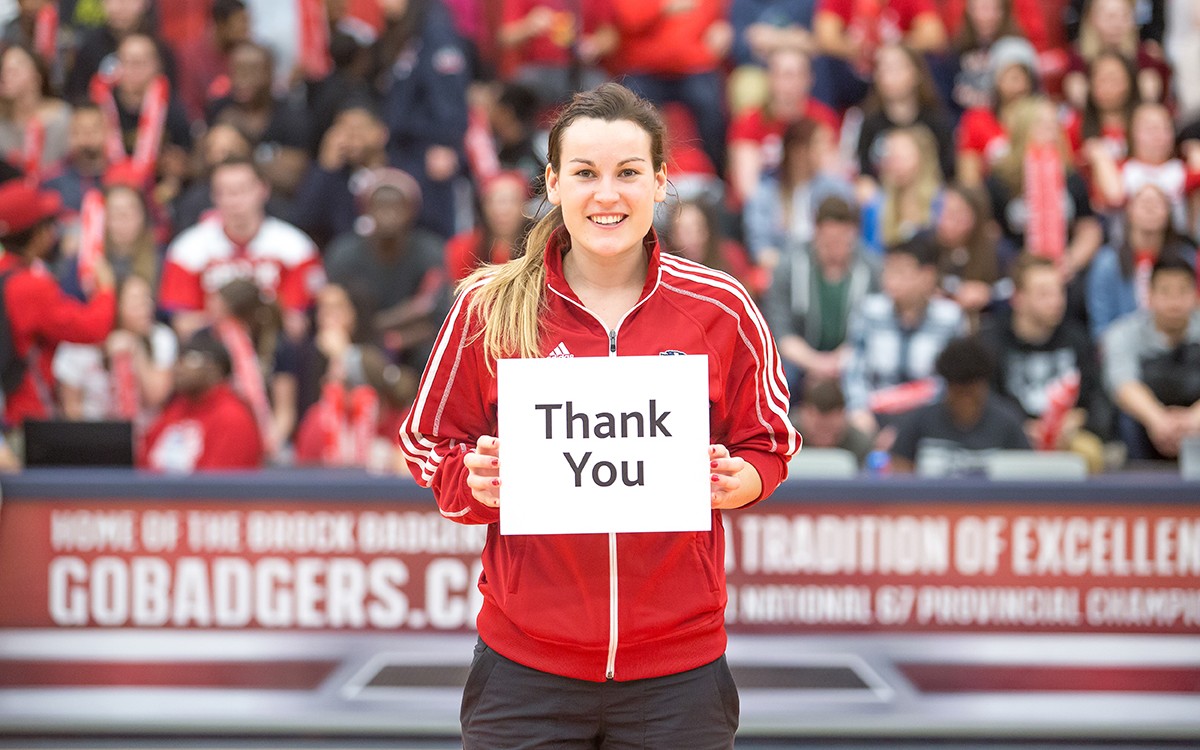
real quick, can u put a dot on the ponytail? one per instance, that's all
(511, 300)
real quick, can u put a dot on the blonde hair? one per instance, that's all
(510, 298)
(1018, 121)
(1089, 41)
(924, 189)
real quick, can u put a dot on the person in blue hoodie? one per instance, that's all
(422, 75)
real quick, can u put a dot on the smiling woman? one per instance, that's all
(594, 640)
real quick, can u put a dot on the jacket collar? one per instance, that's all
(558, 246)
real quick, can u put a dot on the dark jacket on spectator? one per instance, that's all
(424, 90)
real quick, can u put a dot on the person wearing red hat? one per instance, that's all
(40, 316)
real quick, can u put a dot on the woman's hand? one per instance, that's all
(734, 481)
(483, 467)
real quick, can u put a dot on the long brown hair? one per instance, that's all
(1172, 241)
(801, 134)
(482, 251)
(510, 298)
(712, 246)
(39, 65)
(144, 255)
(981, 262)
(926, 90)
(1092, 125)
(968, 36)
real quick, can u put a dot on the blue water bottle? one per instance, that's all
(879, 463)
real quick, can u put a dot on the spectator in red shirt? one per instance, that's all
(502, 226)
(555, 46)
(40, 316)
(760, 27)
(981, 137)
(672, 51)
(240, 241)
(756, 136)
(205, 426)
(363, 395)
(849, 32)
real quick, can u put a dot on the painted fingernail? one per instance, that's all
(716, 478)
(495, 482)
(495, 462)
(713, 465)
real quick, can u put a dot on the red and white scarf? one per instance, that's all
(1061, 395)
(151, 120)
(364, 418)
(1143, 264)
(247, 376)
(35, 145)
(347, 424)
(866, 23)
(332, 416)
(904, 397)
(1045, 181)
(91, 238)
(45, 33)
(482, 158)
(125, 391)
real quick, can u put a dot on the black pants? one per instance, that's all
(507, 706)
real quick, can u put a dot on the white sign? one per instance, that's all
(604, 444)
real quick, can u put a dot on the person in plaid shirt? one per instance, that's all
(895, 338)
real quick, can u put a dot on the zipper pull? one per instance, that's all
(612, 342)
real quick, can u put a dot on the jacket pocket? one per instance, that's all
(517, 561)
(703, 547)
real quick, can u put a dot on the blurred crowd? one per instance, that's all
(971, 224)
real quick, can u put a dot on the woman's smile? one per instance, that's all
(606, 186)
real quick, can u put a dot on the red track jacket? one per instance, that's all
(616, 606)
(42, 316)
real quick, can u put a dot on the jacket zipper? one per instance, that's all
(610, 666)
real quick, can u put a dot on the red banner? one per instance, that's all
(227, 565)
(966, 567)
(830, 567)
